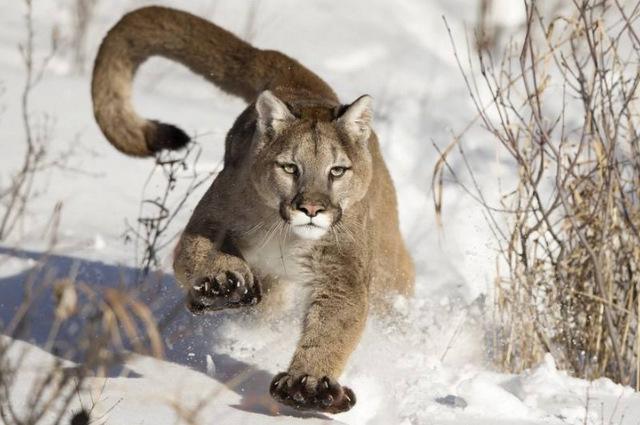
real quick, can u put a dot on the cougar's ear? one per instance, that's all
(273, 114)
(356, 119)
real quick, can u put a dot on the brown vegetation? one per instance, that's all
(564, 105)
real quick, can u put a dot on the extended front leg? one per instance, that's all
(332, 329)
(214, 274)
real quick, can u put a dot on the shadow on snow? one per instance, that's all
(187, 338)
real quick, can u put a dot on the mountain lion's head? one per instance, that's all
(311, 163)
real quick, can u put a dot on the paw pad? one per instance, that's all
(307, 392)
(224, 290)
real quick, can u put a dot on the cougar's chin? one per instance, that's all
(309, 231)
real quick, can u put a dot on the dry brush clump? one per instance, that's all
(19, 187)
(96, 328)
(16, 195)
(564, 104)
(153, 231)
(111, 321)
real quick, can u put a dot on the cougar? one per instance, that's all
(304, 196)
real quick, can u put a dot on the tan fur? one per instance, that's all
(244, 237)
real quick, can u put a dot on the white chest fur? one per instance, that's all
(277, 257)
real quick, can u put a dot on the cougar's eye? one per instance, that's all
(338, 171)
(290, 168)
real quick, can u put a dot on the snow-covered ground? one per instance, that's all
(399, 53)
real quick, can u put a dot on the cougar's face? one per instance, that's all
(310, 170)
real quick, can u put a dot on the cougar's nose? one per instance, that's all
(311, 209)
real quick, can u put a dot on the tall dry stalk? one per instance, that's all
(16, 196)
(152, 232)
(83, 12)
(564, 104)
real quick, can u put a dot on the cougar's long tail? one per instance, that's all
(208, 50)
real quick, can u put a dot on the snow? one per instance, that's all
(399, 53)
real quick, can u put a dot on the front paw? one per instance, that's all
(222, 290)
(307, 392)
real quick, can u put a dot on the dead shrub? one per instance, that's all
(153, 232)
(564, 105)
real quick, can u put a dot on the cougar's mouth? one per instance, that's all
(309, 231)
(309, 227)
(305, 226)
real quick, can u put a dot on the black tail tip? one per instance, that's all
(161, 136)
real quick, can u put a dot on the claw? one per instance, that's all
(282, 383)
(328, 396)
(327, 400)
(215, 287)
(225, 289)
(275, 384)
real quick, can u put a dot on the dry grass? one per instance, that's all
(113, 325)
(565, 107)
(15, 197)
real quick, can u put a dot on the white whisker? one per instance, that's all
(283, 246)
(269, 234)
